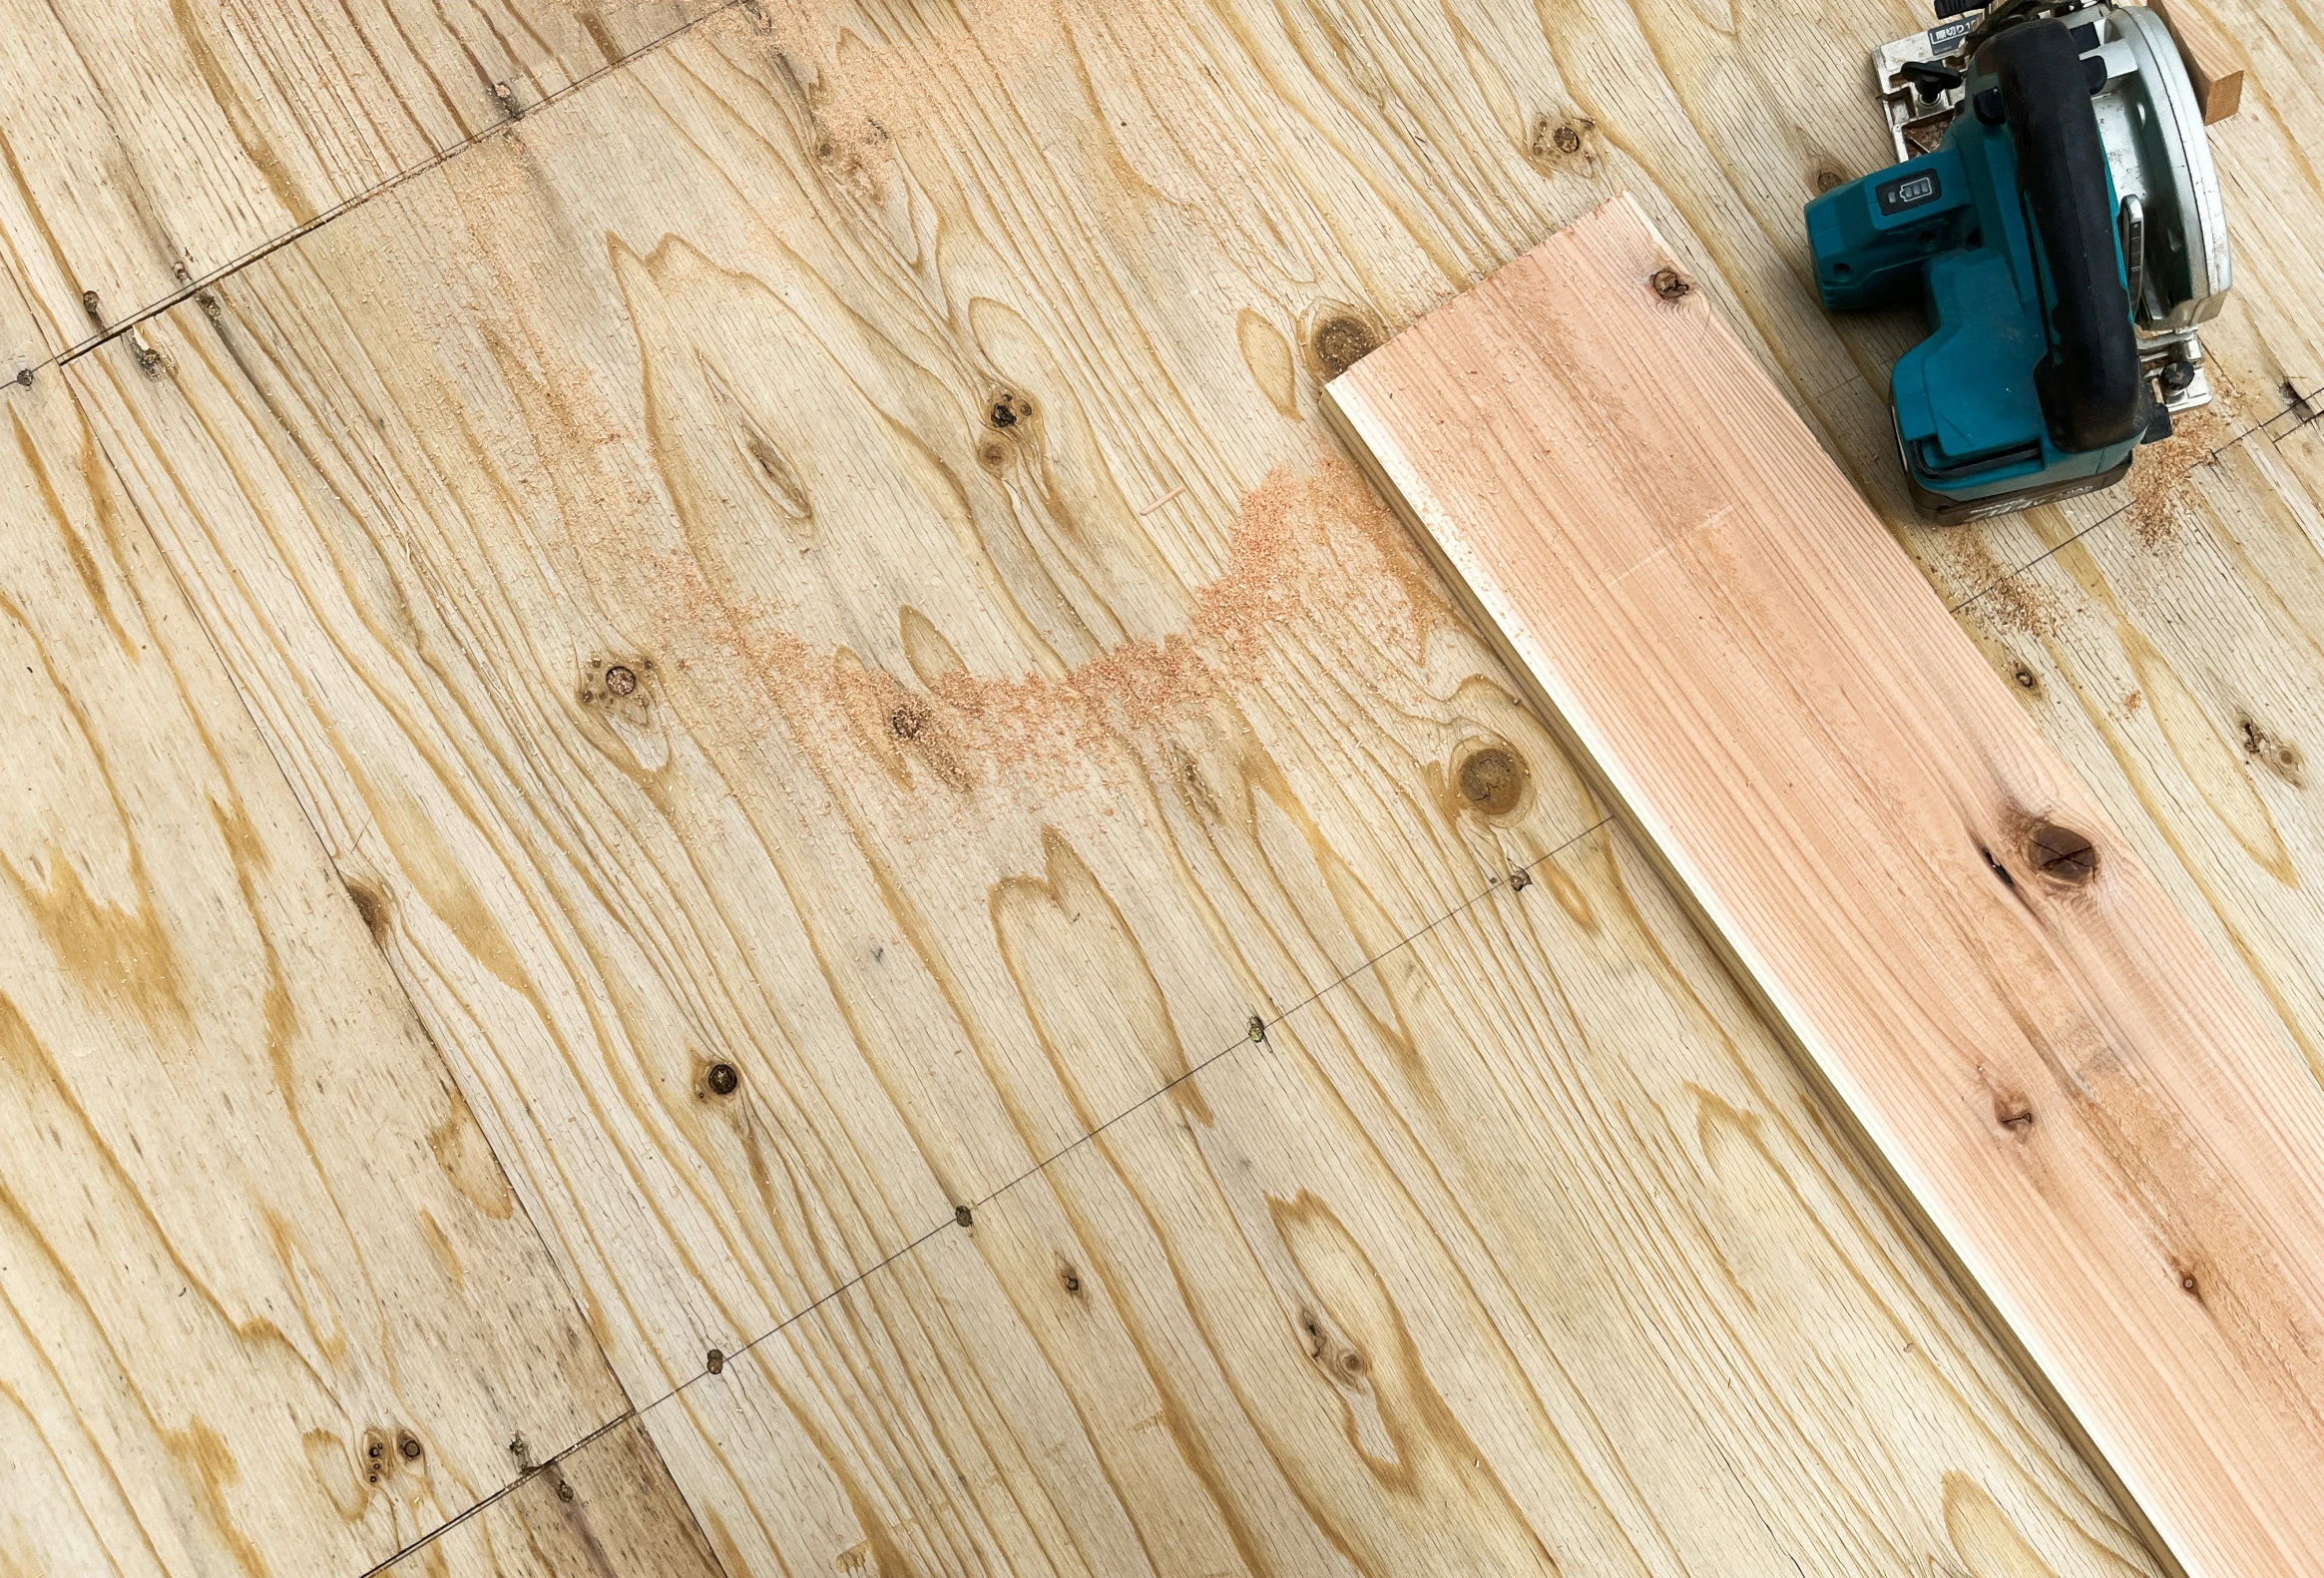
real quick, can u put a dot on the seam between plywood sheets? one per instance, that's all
(195, 286)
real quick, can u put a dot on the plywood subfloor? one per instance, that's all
(1016, 698)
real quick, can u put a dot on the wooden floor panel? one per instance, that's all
(837, 371)
(1552, 1304)
(996, 628)
(604, 1510)
(268, 1304)
(146, 144)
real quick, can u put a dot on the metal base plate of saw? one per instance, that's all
(2057, 214)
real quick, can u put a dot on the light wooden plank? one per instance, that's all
(604, 1510)
(2174, 660)
(2127, 1163)
(251, 1239)
(1281, 1322)
(147, 142)
(2213, 62)
(916, 758)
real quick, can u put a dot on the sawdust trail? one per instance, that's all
(1314, 560)
(2162, 480)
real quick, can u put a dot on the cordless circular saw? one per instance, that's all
(2057, 212)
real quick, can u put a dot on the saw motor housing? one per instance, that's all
(2057, 218)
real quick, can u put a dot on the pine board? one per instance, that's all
(668, 380)
(2122, 1157)
(251, 1239)
(604, 1510)
(146, 143)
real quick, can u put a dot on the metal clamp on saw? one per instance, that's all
(2057, 215)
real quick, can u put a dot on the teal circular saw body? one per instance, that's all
(2056, 215)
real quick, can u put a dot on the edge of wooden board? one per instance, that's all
(1610, 788)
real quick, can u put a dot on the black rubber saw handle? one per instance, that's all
(2090, 382)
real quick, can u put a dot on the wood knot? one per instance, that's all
(908, 719)
(716, 1362)
(1672, 285)
(1830, 180)
(2279, 757)
(1009, 411)
(410, 1445)
(1492, 779)
(371, 907)
(722, 1079)
(1340, 343)
(2027, 679)
(963, 1217)
(2061, 854)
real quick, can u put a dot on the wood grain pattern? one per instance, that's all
(992, 627)
(401, 485)
(21, 346)
(604, 1510)
(252, 1242)
(2176, 655)
(2213, 62)
(1344, 1305)
(2125, 1161)
(144, 143)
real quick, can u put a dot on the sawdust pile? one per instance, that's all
(1307, 552)
(2159, 481)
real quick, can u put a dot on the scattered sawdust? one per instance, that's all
(1316, 560)
(2022, 606)
(1305, 551)
(2160, 491)
(2003, 598)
